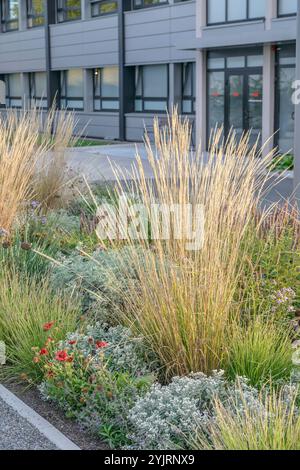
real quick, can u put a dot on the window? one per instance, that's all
(188, 88)
(287, 7)
(226, 11)
(284, 108)
(38, 89)
(13, 90)
(68, 10)
(9, 15)
(106, 89)
(35, 13)
(147, 3)
(151, 88)
(104, 7)
(71, 89)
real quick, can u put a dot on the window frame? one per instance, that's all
(143, 98)
(284, 15)
(242, 20)
(98, 2)
(32, 96)
(192, 97)
(65, 97)
(134, 7)
(8, 98)
(102, 98)
(64, 9)
(6, 20)
(33, 16)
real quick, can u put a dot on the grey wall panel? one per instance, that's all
(88, 43)
(101, 125)
(22, 51)
(151, 34)
(137, 123)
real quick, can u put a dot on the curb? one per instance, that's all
(42, 425)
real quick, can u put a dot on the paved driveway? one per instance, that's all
(97, 163)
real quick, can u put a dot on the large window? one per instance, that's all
(285, 109)
(188, 88)
(103, 7)
(106, 89)
(35, 13)
(68, 10)
(287, 7)
(13, 90)
(151, 88)
(38, 89)
(9, 15)
(71, 89)
(226, 11)
(147, 3)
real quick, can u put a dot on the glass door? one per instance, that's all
(243, 103)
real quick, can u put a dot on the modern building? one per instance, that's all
(118, 63)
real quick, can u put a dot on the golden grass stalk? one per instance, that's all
(185, 300)
(51, 180)
(20, 151)
(274, 425)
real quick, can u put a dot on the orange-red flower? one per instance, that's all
(61, 356)
(48, 326)
(101, 344)
(36, 359)
(44, 352)
(71, 342)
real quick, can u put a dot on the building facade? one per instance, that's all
(118, 63)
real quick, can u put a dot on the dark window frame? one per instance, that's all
(63, 93)
(8, 97)
(242, 20)
(64, 9)
(32, 92)
(192, 97)
(144, 98)
(33, 16)
(98, 2)
(284, 15)
(6, 20)
(141, 7)
(101, 98)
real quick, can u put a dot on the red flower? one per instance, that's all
(101, 344)
(72, 342)
(44, 352)
(61, 356)
(48, 326)
(36, 359)
(70, 359)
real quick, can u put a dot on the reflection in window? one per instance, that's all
(147, 3)
(188, 88)
(151, 88)
(104, 7)
(71, 89)
(287, 7)
(38, 89)
(106, 89)
(68, 10)
(9, 15)
(223, 11)
(13, 90)
(35, 13)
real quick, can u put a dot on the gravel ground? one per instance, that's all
(17, 434)
(56, 417)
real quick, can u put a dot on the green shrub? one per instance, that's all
(260, 351)
(96, 377)
(25, 307)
